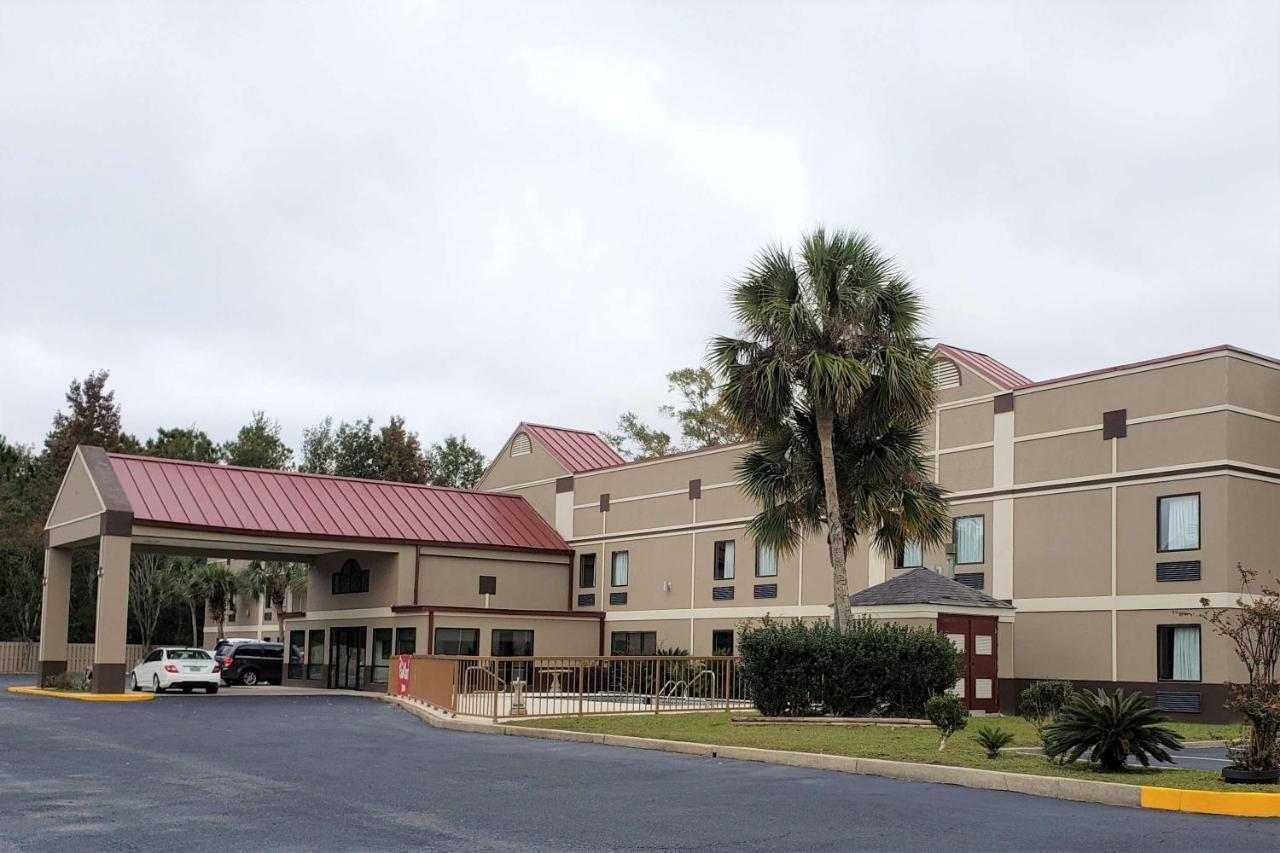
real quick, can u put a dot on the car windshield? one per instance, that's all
(188, 654)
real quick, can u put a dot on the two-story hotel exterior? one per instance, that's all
(1102, 505)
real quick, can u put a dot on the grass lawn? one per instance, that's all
(905, 744)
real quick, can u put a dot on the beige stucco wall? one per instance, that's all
(383, 581)
(551, 636)
(77, 497)
(1136, 554)
(1061, 457)
(1253, 530)
(1136, 647)
(1062, 544)
(1177, 441)
(524, 581)
(1252, 386)
(966, 470)
(966, 425)
(508, 470)
(1062, 645)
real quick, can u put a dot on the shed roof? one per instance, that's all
(170, 492)
(577, 450)
(924, 586)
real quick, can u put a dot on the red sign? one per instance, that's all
(402, 675)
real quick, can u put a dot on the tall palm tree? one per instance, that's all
(219, 584)
(274, 581)
(831, 377)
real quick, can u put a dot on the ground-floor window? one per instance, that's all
(315, 654)
(633, 643)
(297, 640)
(406, 641)
(381, 655)
(722, 642)
(1178, 652)
(459, 641)
(508, 643)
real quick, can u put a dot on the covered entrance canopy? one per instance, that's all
(122, 504)
(969, 617)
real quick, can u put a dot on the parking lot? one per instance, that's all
(256, 771)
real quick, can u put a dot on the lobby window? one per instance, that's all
(967, 533)
(723, 567)
(350, 579)
(1178, 523)
(297, 642)
(587, 571)
(512, 644)
(911, 555)
(722, 642)
(631, 643)
(766, 562)
(381, 656)
(315, 653)
(1178, 652)
(406, 641)
(620, 570)
(457, 641)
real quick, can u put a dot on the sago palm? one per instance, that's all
(831, 377)
(1110, 728)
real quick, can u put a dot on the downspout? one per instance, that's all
(417, 570)
(431, 632)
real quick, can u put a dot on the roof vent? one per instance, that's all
(520, 445)
(945, 374)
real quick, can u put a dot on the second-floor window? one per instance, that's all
(968, 535)
(587, 571)
(350, 578)
(723, 569)
(619, 572)
(766, 562)
(911, 555)
(1178, 523)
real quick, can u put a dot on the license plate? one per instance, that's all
(192, 669)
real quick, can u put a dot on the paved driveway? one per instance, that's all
(342, 773)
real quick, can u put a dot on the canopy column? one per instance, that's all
(55, 605)
(113, 614)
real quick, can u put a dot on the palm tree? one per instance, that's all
(186, 574)
(274, 581)
(219, 584)
(831, 378)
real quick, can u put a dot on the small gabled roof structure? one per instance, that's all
(996, 372)
(576, 449)
(925, 587)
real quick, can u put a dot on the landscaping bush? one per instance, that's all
(948, 714)
(993, 740)
(1110, 729)
(64, 681)
(873, 668)
(1041, 702)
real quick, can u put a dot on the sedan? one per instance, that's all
(177, 667)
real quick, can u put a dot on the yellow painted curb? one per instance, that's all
(84, 697)
(1242, 804)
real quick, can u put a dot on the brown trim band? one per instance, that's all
(498, 611)
(1002, 403)
(1120, 478)
(564, 485)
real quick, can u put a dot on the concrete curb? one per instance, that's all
(83, 697)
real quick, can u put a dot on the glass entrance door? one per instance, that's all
(346, 657)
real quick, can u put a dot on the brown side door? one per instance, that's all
(978, 638)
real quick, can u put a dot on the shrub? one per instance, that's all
(873, 668)
(1042, 701)
(948, 714)
(64, 681)
(1110, 729)
(993, 740)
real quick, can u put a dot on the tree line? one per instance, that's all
(167, 595)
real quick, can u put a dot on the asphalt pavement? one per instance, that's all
(271, 772)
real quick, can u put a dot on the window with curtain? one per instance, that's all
(911, 555)
(766, 562)
(1178, 523)
(723, 566)
(620, 569)
(1178, 653)
(968, 532)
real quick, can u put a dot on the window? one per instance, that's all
(723, 569)
(967, 534)
(1178, 652)
(633, 643)
(381, 656)
(722, 642)
(766, 562)
(297, 640)
(1178, 523)
(911, 555)
(315, 654)
(620, 570)
(512, 644)
(406, 641)
(587, 571)
(350, 579)
(457, 641)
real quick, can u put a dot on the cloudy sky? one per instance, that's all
(473, 213)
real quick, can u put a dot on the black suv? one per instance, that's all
(251, 663)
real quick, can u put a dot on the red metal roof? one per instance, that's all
(1151, 361)
(252, 500)
(575, 449)
(996, 372)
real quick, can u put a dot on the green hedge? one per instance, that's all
(792, 669)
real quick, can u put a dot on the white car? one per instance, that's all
(177, 667)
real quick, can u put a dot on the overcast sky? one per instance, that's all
(472, 214)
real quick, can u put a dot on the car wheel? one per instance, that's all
(136, 686)
(155, 684)
(211, 690)
(248, 678)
